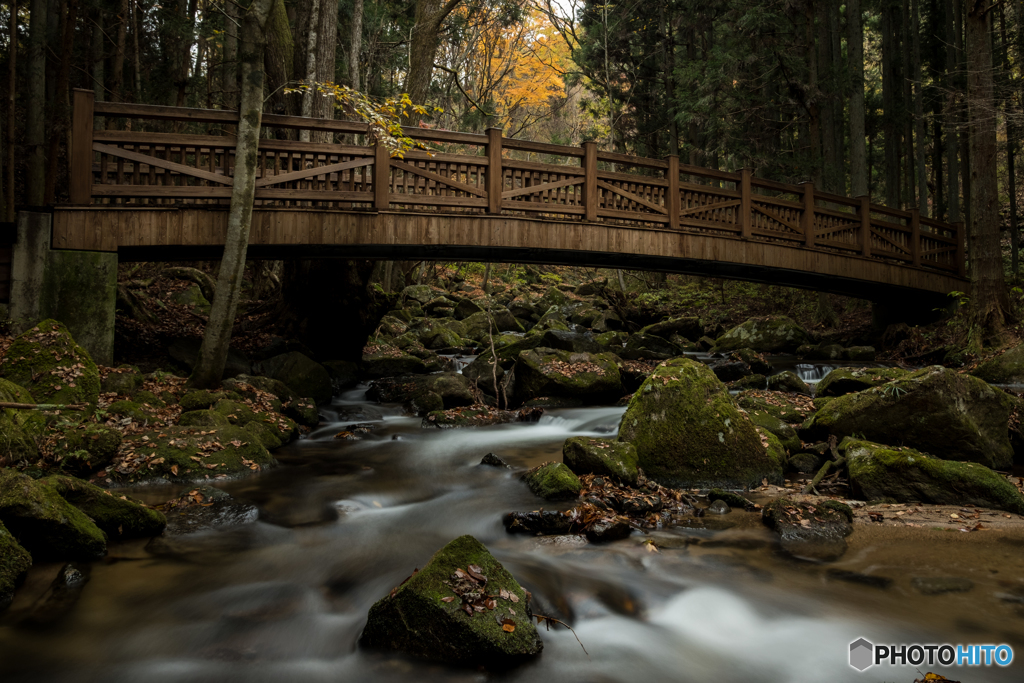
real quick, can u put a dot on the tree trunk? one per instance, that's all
(423, 43)
(217, 336)
(855, 50)
(989, 305)
(310, 75)
(951, 82)
(35, 106)
(326, 53)
(60, 108)
(919, 131)
(229, 65)
(96, 56)
(117, 74)
(279, 58)
(892, 86)
(136, 54)
(12, 83)
(355, 44)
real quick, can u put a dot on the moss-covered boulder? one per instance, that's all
(203, 418)
(44, 523)
(432, 615)
(815, 531)
(783, 432)
(937, 410)
(842, 381)
(688, 431)
(123, 381)
(1006, 368)
(382, 360)
(421, 294)
(790, 383)
(688, 327)
(98, 443)
(907, 475)
(302, 374)
(733, 500)
(14, 562)
(424, 393)
(250, 386)
(577, 342)
(775, 334)
(19, 429)
(553, 481)
(117, 515)
(47, 361)
(238, 413)
(591, 377)
(607, 457)
(649, 347)
(776, 404)
(481, 325)
(189, 454)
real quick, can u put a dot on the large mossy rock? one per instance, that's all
(14, 562)
(414, 618)
(95, 446)
(553, 481)
(641, 346)
(851, 380)
(687, 327)
(44, 523)
(382, 360)
(1006, 368)
(815, 531)
(304, 375)
(18, 428)
(116, 515)
(606, 457)
(785, 433)
(936, 410)
(480, 326)
(907, 475)
(421, 392)
(47, 361)
(591, 377)
(189, 454)
(776, 334)
(688, 431)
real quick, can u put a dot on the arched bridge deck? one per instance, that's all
(151, 193)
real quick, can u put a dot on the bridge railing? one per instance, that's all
(478, 173)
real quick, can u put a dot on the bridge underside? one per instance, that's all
(170, 234)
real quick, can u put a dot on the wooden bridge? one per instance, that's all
(159, 189)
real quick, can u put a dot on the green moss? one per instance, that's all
(99, 444)
(733, 500)
(774, 334)
(783, 432)
(44, 523)
(553, 481)
(842, 381)
(47, 361)
(264, 434)
(117, 515)
(688, 431)
(199, 399)
(776, 453)
(607, 457)
(593, 377)
(147, 399)
(780, 407)
(907, 475)
(123, 381)
(203, 418)
(130, 409)
(14, 562)
(186, 454)
(415, 619)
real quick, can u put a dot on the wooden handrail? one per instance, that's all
(156, 169)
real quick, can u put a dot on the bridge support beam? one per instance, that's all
(78, 288)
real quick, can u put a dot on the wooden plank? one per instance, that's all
(468, 159)
(709, 207)
(775, 217)
(745, 215)
(632, 197)
(865, 225)
(80, 172)
(432, 135)
(160, 113)
(633, 216)
(495, 177)
(674, 203)
(542, 207)
(709, 173)
(436, 177)
(314, 194)
(161, 163)
(627, 160)
(894, 245)
(807, 217)
(134, 137)
(590, 197)
(533, 189)
(381, 177)
(312, 172)
(160, 191)
(436, 200)
(542, 148)
(542, 168)
(915, 236)
(633, 178)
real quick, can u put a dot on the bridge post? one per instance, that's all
(807, 218)
(864, 211)
(746, 204)
(590, 181)
(381, 177)
(961, 250)
(915, 236)
(80, 185)
(673, 205)
(495, 174)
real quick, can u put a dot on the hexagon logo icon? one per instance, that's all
(861, 654)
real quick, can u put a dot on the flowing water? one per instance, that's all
(340, 523)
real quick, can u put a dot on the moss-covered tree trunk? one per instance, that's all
(989, 304)
(214, 351)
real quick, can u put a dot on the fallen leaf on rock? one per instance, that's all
(508, 626)
(448, 599)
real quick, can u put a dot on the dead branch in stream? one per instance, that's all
(42, 406)
(836, 462)
(541, 618)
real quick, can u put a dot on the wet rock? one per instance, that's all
(61, 597)
(808, 463)
(117, 515)
(303, 375)
(414, 618)
(937, 410)
(344, 374)
(939, 585)
(869, 580)
(575, 342)
(18, 428)
(591, 377)
(824, 351)
(641, 346)
(421, 294)
(730, 370)
(448, 389)
(204, 508)
(608, 530)
(688, 327)
(789, 382)
(809, 531)
(860, 353)
(47, 362)
(14, 562)
(478, 416)
(387, 361)
(777, 405)
(1006, 368)
(689, 432)
(757, 382)
(99, 443)
(482, 326)
(842, 381)
(719, 507)
(733, 500)
(553, 481)
(906, 475)
(606, 457)
(303, 411)
(44, 523)
(634, 372)
(467, 307)
(776, 334)
(554, 402)
(494, 461)
(640, 506)
(217, 545)
(542, 522)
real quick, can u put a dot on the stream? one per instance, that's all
(340, 523)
